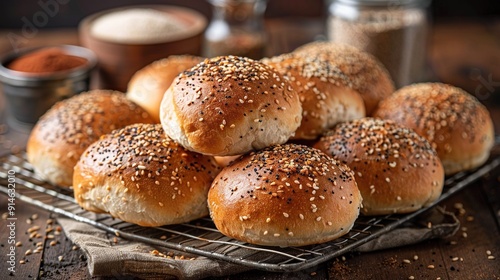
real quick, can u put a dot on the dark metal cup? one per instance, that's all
(30, 95)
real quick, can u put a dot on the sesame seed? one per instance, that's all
(491, 257)
(276, 235)
(286, 215)
(406, 261)
(301, 216)
(268, 220)
(431, 266)
(318, 219)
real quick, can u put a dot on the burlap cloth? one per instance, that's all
(106, 257)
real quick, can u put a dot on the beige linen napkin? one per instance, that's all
(131, 258)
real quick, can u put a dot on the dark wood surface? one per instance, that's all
(463, 256)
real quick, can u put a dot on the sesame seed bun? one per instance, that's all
(325, 99)
(70, 126)
(286, 195)
(148, 85)
(359, 70)
(458, 126)
(397, 170)
(139, 175)
(230, 105)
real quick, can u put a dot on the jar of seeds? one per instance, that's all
(394, 31)
(237, 28)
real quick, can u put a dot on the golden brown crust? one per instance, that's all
(356, 69)
(325, 101)
(230, 105)
(286, 195)
(457, 125)
(397, 170)
(69, 127)
(148, 85)
(141, 176)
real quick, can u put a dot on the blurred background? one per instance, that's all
(73, 11)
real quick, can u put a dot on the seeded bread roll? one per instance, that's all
(148, 85)
(397, 170)
(141, 176)
(356, 70)
(69, 127)
(457, 125)
(286, 195)
(230, 105)
(325, 100)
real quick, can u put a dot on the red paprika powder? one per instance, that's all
(46, 61)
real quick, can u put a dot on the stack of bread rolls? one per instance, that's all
(273, 191)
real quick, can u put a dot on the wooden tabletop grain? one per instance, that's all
(43, 251)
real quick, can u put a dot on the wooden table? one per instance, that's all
(473, 253)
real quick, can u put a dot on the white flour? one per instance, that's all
(137, 26)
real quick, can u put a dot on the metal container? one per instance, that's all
(394, 31)
(30, 95)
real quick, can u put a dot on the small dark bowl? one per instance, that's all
(30, 95)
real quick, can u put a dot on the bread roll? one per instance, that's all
(229, 105)
(148, 85)
(139, 175)
(285, 195)
(356, 70)
(325, 100)
(69, 127)
(457, 125)
(397, 170)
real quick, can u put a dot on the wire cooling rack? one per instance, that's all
(201, 237)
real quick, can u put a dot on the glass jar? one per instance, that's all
(394, 31)
(236, 28)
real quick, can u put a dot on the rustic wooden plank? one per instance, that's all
(63, 260)
(460, 257)
(26, 264)
(477, 242)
